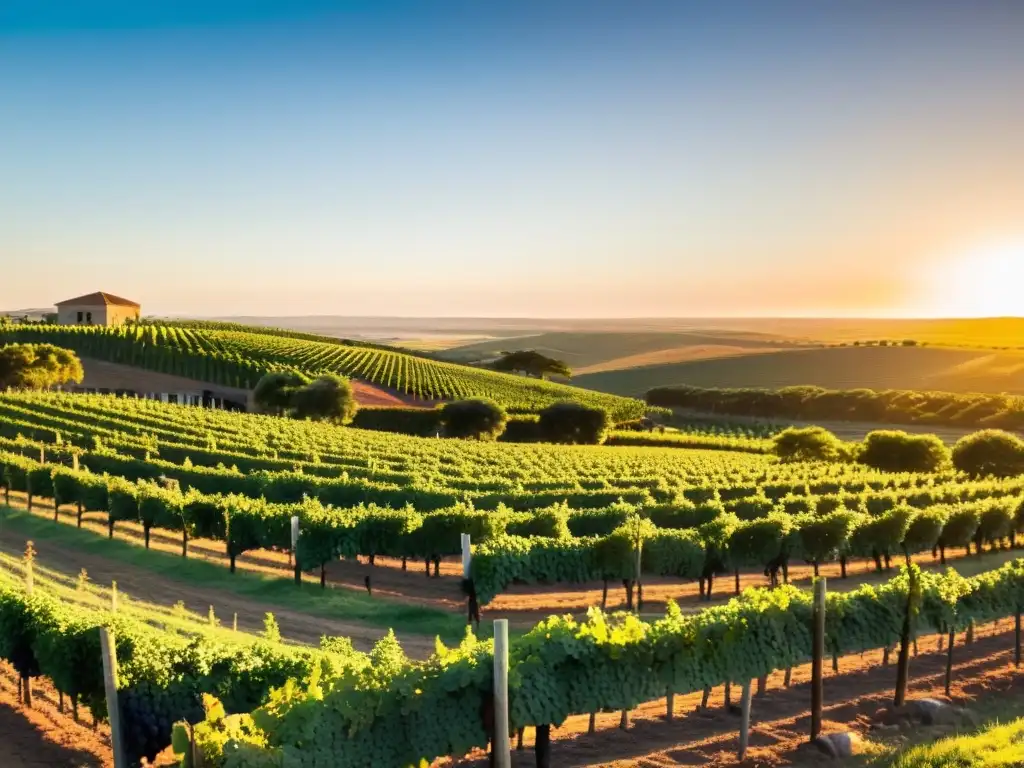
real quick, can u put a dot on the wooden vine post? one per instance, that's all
(30, 557)
(1016, 638)
(294, 550)
(818, 658)
(500, 744)
(744, 720)
(108, 648)
(467, 556)
(949, 660)
(903, 662)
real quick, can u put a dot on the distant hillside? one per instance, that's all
(232, 357)
(920, 368)
(588, 352)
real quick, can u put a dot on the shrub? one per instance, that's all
(925, 530)
(893, 451)
(991, 452)
(807, 444)
(995, 522)
(960, 528)
(274, 392)
(328, 398)
(478, 419)
(574, 423)
(883, 535)
(824, 538)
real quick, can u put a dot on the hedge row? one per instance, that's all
(162, 675)
(809, 403)
(417, 712)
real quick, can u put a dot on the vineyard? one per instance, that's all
(536, 514)
(237, 358)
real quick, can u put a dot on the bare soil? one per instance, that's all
(43, 737)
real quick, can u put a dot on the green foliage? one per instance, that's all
(574, 423)
(274, 392)
(532, 364)
(478, 419)
(882, 535)
(398, 712)
(891, 406)
(759, 542)
(997, 746)
(807, 444)
(893, 451)
(823, 539)
(327, 398)
(38, 366)
(990, 452)
(239, 356)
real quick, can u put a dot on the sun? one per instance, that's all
(984, 281)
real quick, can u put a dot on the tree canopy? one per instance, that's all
(574, 423)
(531, 363)
(38, 366)
(991, 452)
(274, 392)
(480, 419)
(328, 398)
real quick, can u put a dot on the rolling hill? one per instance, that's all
(234, 356)
(922, 368)
(591, 351)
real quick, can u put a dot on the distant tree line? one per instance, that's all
(531, 363)
(988, 453)
(809, 403)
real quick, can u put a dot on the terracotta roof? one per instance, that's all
(95, 299)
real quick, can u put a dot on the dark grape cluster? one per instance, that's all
(148, 713)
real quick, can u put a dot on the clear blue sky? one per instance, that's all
(514, 159)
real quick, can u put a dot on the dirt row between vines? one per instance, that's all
(43, 737)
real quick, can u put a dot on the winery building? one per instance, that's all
(97, 309)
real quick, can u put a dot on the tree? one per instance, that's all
(328, 398)
(990, 452)
(531, 363)
(893, 451)
(38, 366)
(809, 444)
(480, 419)
(574, 423)
(274, 392)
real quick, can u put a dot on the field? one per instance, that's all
(237, 356)
(134, 485)
(927, 368)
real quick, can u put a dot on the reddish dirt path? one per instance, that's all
(780, 720)
(371, 395)
(42, 737)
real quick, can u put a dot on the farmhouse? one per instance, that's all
(97, 309)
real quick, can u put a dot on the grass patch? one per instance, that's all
(993, 747)
(998, 742)
(272, 590)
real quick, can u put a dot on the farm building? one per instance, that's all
(97, 309)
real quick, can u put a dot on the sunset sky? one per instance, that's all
(544, 159)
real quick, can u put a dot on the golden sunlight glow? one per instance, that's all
(985, 281)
